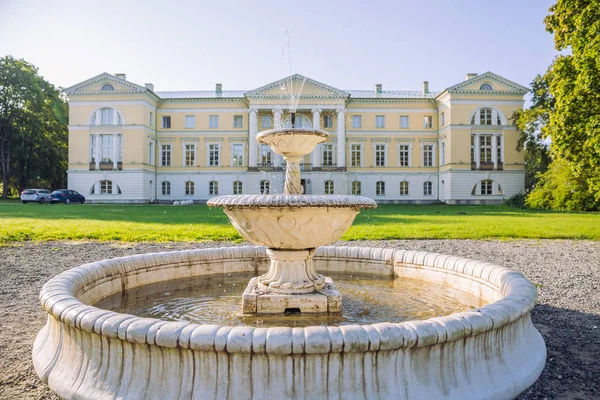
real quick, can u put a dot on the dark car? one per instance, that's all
(66, 196)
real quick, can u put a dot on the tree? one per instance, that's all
(532, 123)
(574, 123)
(33, 127)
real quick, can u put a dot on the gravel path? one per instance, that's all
(567, 314)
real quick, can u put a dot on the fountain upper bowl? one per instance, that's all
(293, 142)
(291, 222)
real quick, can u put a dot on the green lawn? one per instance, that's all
(193, 223)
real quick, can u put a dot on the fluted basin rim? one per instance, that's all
(292, 131)
(291, 200)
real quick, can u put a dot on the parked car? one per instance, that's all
(66, 196)
(35, 195)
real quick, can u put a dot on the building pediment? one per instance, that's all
(105, 83)
(298, 86)
(488, 83)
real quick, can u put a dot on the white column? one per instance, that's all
(115, 117)
(341, 138)
(494, 117)
(501, 148)
(478, 117)
(495, 151)
(477, 152)
(316, 118)
(277, 118)
(98, 151)
(315, 156)
(433, 154)
(98, 116)
(252, 145)
(115, 154)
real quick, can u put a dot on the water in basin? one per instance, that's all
(216, 299)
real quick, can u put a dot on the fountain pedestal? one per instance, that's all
(291, 285)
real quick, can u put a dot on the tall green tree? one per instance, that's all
(33, 128)
(574, 123)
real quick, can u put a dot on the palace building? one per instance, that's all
(131, 144)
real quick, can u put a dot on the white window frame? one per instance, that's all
(265, 118)
(213, 153)
(428, 122)
(433, 145)
(442, 118)
(404, 122)
(194, 144)
(427, 188)
(168, 152)
(357, 121)
(379, 185)
(242, 158)
(190, 121)
(213, 188)
(406, 186)
(442, 152)
(360, 151)
(239, 118)
(238, 187)
(327, 121)
(190, 188)
(265, 150)
(405, 142)
(151, 152)
(151, 118)
(380, 122)
(165, 188)
(265, 186)
(356, 188)
(213, 122)
(106, 187)
(383, 146)
(327, 154)
(329, 187)
(164, 119)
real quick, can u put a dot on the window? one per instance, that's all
(92, 148)
(166, 188)
(472, 149)
(107, 86)
(404, 188)
(380, 155)
(151, 119)
(213, 121)
(237, 187)
(166, 122)
(404, 121)
(485, 116)
(190, 155)
(327, 121)
(403, 156)
(442, 119)
(106, 116)
(485, 148)
(498, 148)
(327, 154)
(427, 188)
(151, 152)
(380, 121)
(356, 188)
(357, 121)
(105, 187)
(486, 187)
(106, 148)
(442, 153)
(328, 187)
(237, 155)
(265, 154)
(189, 188)
(266, 121)
(356, 155)
(213, 155)
(213, 187)
(190, 121)
(264, 187)
(427, 121)
(428, 155)
(486, 86)
(238, 121)
(165, 155)
(380, 188)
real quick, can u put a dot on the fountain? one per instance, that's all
(487, 349)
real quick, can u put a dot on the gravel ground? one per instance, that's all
(567, 314)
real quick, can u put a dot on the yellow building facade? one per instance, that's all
(130, 143)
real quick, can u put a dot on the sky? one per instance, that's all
(191, 45)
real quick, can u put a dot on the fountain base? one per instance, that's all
(256, 300)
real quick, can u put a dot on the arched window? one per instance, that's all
(106, 116)
(427, 188)
(264, 187)
(328, 187)
(356, 188)
(486, 86)
(380, 188)
(404, 188)
(166, 188)
(189, 188)
(107, 86)
(237, 187)
(487, 116)
(486, 187)
(213, 187)
(105, 187)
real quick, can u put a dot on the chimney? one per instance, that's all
(470, 75)
(425, 87)
(219, 88)
(149, 86)
(121, 75)
(378, 88)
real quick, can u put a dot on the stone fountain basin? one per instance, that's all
(292, 141)
(491, 352)
(291, 222)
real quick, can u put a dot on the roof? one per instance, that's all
(201, 94)
(391, 94)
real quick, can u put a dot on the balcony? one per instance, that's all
(487, 166)
(266, 168)
(106, 166)
(329, 168)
